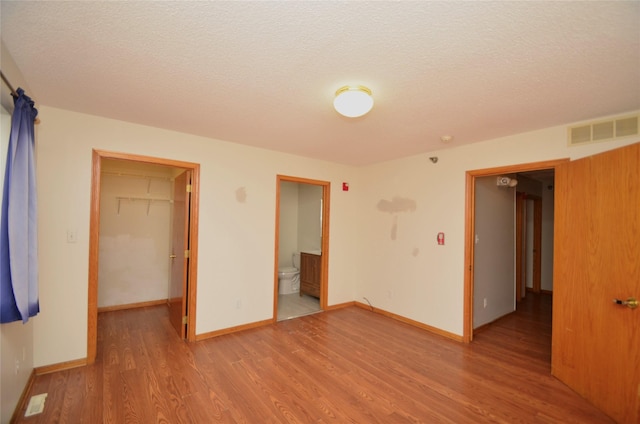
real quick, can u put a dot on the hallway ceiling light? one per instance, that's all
(353, 101)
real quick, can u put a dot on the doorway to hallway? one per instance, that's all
(471, 301)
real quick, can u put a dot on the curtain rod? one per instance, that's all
(13, 92)
(6, 81)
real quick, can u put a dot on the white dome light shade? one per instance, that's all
(353, 101)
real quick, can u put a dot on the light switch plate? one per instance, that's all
(72, 236)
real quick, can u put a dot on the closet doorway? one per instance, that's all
(159, 200)
(302, 242)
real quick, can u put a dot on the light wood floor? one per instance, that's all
(343, 366)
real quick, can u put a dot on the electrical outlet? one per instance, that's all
(485, 302)
(72, 236)
(238, 304)
(17, 366)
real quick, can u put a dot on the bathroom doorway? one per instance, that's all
(301, 253)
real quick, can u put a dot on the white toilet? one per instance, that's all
(289, 277)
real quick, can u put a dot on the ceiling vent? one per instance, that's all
(603, 130)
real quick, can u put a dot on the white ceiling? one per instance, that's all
(265, 73)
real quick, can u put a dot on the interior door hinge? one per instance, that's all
(186, 254)
(184, 320)
(188, 188)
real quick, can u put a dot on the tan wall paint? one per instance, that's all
(16, 339)
(236, 239)
(309, 217)
(134, 239)
(408, 275)
(494, 250)
(400, 267)
(288, 239)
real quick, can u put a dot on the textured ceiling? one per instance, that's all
(265, 73)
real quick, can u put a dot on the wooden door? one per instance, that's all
(179, 254)
(595, 342)
(310, 274)
(537, 244)
(520, 243)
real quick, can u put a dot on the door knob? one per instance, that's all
(632, 302)
(172, 256)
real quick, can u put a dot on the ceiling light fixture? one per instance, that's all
(353, 101)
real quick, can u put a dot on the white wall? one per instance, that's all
(134, 239)
(382, 231)
(236, 239)
(309, 214)
(409, 274)
(288, 241)
(300, 224)
(494, 260)
(16, 339)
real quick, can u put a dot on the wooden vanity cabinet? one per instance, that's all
(310, 274)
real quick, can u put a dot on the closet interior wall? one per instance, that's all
(135, 224)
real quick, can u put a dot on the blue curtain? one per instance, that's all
(18, 227)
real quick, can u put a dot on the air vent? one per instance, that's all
(627, 126)
(603, 130)
(36, 405)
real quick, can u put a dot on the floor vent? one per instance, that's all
(604, 130)
(36, 405)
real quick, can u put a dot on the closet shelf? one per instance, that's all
(149, 178)
(149, 201)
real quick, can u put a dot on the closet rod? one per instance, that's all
(125, 174)
(13, 92)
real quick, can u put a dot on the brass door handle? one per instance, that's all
(172, 256)
(632, 302)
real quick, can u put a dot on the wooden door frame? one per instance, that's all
(469, 230)
(537, 243)
(94, 240)
(324, 260)
(521, 214)
(521, 240)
